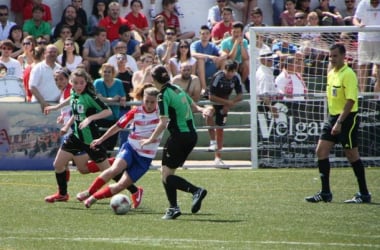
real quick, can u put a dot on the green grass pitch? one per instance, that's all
(244, 209)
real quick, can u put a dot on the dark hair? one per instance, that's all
(8, 43)
(231, 65)
(257, 11)
(167, 2)
(38, 53)
(227, 9)
(138, 91)
(99, 30)
(238, 25)
(90, 89)
(64, 53)
(4, 7)
(160, 74)
(340, 47)
(205, 27)
(38, 7)
(188, 54)
(123, 29)
(15, 27)
(64, 12)
(95, 8)
(137, 1)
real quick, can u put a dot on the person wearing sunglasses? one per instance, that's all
(168, 48)
(13, 66)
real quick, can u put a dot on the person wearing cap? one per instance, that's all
(13, 66)
(176, 115)
(221, 87)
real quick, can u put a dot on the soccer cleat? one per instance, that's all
(83, 195)
(137, 197)
(220, 164)
(359, 198)
(198, 196)
(320, 196)
(89, 201)
(212, 147)
(57, 197)
(172, 213)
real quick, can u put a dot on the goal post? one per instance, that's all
(290, 138)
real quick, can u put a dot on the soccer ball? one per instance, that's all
(120, 204)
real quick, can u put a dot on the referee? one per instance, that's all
(341, 127)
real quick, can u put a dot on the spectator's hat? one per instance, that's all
(266, 54)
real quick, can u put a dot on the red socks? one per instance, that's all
(96, 185)
(104, 193)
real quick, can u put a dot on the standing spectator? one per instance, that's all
(38, 54)
(133, 46)
(110, 90)
(289, 82)
(121, 48)
(137, 19)
(223, 28)
(41, 82)
(328, 14)
(113, 21)
(342, 127)
(278, 8)
(16, 36)
(69, 58)
(168, 48)
(221, 88)
(28, 11)
(37, 26)
(143, 75)
(368, 13)
(215, 13)
(171, 20)
(210, 58)
(188, 81)
(236, 48)
(5, 24)
(63, 35)
(13, 66)
(183, 56)
(156, 34)
(287, 16)
(96, 51)
(81, 13)
(26, 58)
(176, 115)
(83, 99)
(348, 12)
(99, 11)
(69, 18)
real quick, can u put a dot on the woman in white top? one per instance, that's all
(183, 55)
(69, 58)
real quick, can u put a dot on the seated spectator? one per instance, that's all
(5, 23)
(121, 48)
(188, 81)
(96, 51)
(168, 48)
(138, 21)
(256, 19)
(69, 18)
(36, 26)
(348, 12)
(236, 48)
(27, 57)
(156, 34)
(215, 13)
(303, 5)
(38, 54)
(210, 58)
(300, 18)
(289, 82)
(63, 35)
(41, 41)
(13, 66)
(16, 36)
(222, 29)
(133, 46)
(81, 13)
(28, 11)
(328, 14)
(171, 20)
(70, 58)
(113, 21)
(287, 16)
(99, 11)
(183, 56)
(143, 75)
(148, 48)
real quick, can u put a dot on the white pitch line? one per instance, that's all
(165, 241)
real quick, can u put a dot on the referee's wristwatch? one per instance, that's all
(340, 122)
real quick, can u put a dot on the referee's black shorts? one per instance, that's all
(349, 135)
(177, 148)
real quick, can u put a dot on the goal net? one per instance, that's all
(285, 129)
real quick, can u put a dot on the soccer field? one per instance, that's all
(244, 209)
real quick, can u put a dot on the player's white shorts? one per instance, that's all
(369, 52)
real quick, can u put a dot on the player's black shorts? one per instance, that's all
(349, 135)
(177, 148)
(75, 146)
(220, 117)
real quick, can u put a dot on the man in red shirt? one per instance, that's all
(113, 21)
(172, 20)
(223, 28)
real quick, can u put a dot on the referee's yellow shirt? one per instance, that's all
(342, 85)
